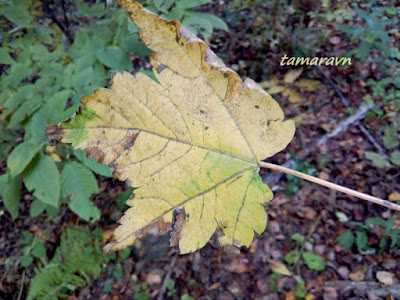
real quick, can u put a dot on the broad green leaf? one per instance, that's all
(22, 155)
(36, 208)
(214, 21)
(191, 141)
(92, 164)
(10, 191)
(27, 108)
(77, 184)
(26, 261)
(292, 257)
(191, 3)
(390, 138)
(346, 239)
(43, 177)
(298, 237)
(115, 58)
(18, 14)
(5, 57)
(377, 159)
(314, 261)
(395, 157)
(361, 241)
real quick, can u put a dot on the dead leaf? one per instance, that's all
(292, 75)
(358, 275)
(394, 196)
(192, 140)
(292, 95)
(276, 89)
(309, 85)
(385, 278)
(279, 267)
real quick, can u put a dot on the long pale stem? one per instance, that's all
(331, 185)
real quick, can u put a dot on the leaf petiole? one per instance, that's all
(331, 185)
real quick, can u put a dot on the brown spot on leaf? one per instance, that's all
(129, 141)
(158, 227)
(160, 68)
(96, 153)
(53, 133)
(177, 228)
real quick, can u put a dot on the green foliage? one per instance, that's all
(78, 183)
(34, 249)
(300, 288)
(312, 261)
(139, 288)
(198, 22)
(76, 259)
(373, 226)
(372, 33)
(377, 159)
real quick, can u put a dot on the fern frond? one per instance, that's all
(76, 259)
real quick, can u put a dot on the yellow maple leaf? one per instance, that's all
(191, 141)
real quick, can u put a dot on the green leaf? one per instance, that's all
(5, 57)
(377, 159)
(214, 21)
(11, 193)
(314, 261)
(185, 4)
(22, 155)
(363, 49)
(361, 241)
(27, 108)
(390, 138)
(18, 14)
(36, 208)
(292, 257)
(26, 238)
(298, 237)
(39, 250)
(395, 157)
(115, 58)
(132, 43)
(163, 5)
(43, 177)
(77, 184)
(92, 164)
(346, 239)
(26, 261)
(300, 288)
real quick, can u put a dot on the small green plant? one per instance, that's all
(171, 288)
(76, 259)
(311, 260)
(139, 288)
(34, 249)
(371, 34)
(382, 228)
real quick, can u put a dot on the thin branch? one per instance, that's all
(167, 277)
(22, 286)
(50, 12)
(360, 126)
(343, 125)
(331, 185)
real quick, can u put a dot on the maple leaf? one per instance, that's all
(191, 141)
